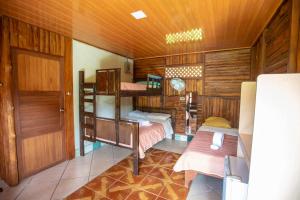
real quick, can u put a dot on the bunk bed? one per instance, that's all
(120, 132)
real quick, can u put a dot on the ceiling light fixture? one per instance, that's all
(186, 36)
(139, 14)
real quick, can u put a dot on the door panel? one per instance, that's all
(44, 112)
(41, 151)
(38, 73)
(39, 110)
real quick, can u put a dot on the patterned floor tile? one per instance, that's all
(158, 152)
(128, 163)
(151, 159)
(115, 172)
(156, 180)
(141, 195)
(120, 190)
(152, 184)
(174, 192)
(100, 184)
(130, 178)
(145, 169)
(82, 193)
(165, 163)
(178, 178)
(162, 173)
(172, 156)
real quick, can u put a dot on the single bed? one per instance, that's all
(152, 129)
(198, 157)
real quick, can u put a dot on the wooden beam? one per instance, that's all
(8, 155)
(298, 54)
(69, 114)
(294, 36)
(262, 55)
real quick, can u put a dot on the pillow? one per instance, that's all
(217, 122)
(158, 116)
(138, 114)
(216, 119)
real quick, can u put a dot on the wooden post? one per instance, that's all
(81, 108)
(298, 54)
(262, 56)
(294, 36)
(69, 112)
(117, 103)
(162, 96)
(135, 146)
(8, 154)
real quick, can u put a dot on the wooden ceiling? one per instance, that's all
(108, 24)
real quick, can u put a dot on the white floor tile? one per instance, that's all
(77, 171)
(3, 185)
(99, 166)
(38, 191)
(67, 186)
(52, 174)
(215, 184)
(199, 186)
(11, 193)
(171, 145)
(81, 160)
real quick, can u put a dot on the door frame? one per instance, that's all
(15, 96)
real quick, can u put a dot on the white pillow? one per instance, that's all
(159, 116)
(138, 114)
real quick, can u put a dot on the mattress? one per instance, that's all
(149, 136)
(133, 86)
(227, 131)
(199, 157)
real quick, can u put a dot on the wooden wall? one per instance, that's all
(218, 90)
(225, 71)
(16, 34)
(277, 48)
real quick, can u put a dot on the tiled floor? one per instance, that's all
(63, 179)
(156, 180)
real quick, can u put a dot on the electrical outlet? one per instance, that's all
(182, 98)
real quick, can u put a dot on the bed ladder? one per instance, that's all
(87, 97)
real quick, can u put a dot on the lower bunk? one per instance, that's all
(139, 131)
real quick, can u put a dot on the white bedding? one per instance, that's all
(227, 131)
(167, 124)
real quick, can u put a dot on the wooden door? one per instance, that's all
(39, 111)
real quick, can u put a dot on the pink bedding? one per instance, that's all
(133, 86)
(150, 135)
(199, 157)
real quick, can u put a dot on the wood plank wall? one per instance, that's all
(276, 49)
(16, 34)
(225, 71)
(218, 90)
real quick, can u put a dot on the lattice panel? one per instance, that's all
(184, 72)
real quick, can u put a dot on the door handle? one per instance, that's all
(61, 110)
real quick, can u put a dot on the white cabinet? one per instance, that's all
(275, 163)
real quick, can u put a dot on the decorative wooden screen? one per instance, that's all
(184, 72)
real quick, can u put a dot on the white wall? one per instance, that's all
(89, 59)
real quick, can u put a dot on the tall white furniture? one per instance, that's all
(275, 157)
(246, 121)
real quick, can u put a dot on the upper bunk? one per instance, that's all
(108, 82)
